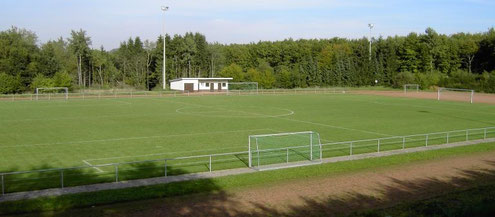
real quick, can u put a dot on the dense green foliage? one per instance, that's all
(222, 184)
(460, 60)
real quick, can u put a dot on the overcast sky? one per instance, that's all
(108, 22)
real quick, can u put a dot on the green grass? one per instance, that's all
(56, 134)
(233, 183)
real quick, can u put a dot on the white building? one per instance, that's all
(200, 84)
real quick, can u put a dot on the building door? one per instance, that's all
(212, 88)
(219, 86)
(189, 87)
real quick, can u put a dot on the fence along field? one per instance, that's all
(146, 137)
(115, 172)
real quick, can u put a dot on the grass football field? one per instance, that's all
(56, 134)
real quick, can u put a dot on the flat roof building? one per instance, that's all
(200, 84)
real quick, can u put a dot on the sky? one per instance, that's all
(108, 22)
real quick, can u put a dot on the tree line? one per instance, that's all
(460, 60)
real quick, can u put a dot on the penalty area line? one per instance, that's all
(91, 165)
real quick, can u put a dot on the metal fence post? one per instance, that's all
(62, 178)
(165, 168)
(350, 149)
(378, 145)
(3, 185)
(484, 134)
(448, 137)
(311, 146)
(210, 164)
(426, 140)
(116, 173)
(403, 142)
(287, 155)
(467, 135)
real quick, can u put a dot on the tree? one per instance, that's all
(233, 71)
(79, 45)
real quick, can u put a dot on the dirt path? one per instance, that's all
(336, 195)
(461, 97)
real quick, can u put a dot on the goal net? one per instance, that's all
(454, 94)
(274, 151)
(243, 87)
(411, 88)
(50, 93)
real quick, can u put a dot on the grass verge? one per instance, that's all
(230, 182)
(478, 201)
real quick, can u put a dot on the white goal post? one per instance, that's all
(411, 86)
(52, 90)
(442, 92)
(281, 150)
(243, 87)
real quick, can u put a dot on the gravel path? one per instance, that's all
(162, 180)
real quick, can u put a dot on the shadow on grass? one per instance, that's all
(470, 193)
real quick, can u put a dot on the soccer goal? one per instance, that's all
(282, 150)
(243, 87)
(455, 94)
(411, 88)
(50, 93)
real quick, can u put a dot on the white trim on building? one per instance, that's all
(200, 84)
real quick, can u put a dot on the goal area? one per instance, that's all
(50, 93)
(455, 94)
(282, 150)
(411, 88)
(243, 87)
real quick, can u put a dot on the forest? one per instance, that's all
(431, 59)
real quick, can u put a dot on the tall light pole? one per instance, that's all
(164, 9)
(371, 25)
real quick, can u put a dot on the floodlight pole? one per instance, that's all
(164, 9)
(370, 25)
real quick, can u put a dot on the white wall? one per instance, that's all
(179, 85)
(203, 87)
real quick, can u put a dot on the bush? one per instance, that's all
(9, 84)
(403, 78)
(42, 81)
(427, 80)
(460, 79)
(62, 79)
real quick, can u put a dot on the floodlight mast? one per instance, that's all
(164, 9)
(370, 25)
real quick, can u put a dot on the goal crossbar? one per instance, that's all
(66, 91)
(298, 143)
(415, 86)
(441, 89)
(247, 84)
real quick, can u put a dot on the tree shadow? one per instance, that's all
(416, 197)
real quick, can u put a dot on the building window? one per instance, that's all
(224, 84)
(207, 84)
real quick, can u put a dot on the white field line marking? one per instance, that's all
(176, 152)
(130, 138)
(120, 101)
(295, 120)
(325, 140)
(421, 106)
(90, 117)
(96, 168)
(337, 127)
(289, 112)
